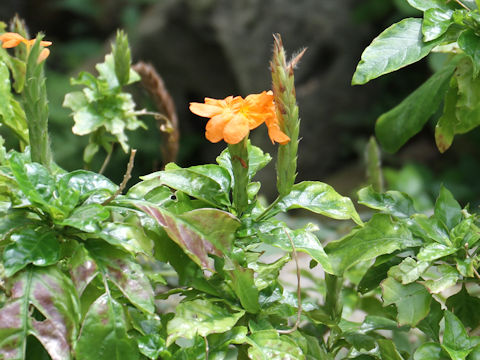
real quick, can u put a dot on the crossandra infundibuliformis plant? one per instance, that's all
(82, 264)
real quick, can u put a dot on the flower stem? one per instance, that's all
(239, 157)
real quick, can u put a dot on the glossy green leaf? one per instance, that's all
(408, 270)
(455, 338)
(394, 203)
(396, 126)
(412, 300)
(87, 183)
(203, 185)
(424, 5)
(129, 237)
(268, 345)
(104, 333)
(398, 46)
(429, 228)
(431, 324)
(242, 281)
(469, 42)
(377, 273)
(468, 108)
(198, 232)
(257, 160)
(436, 23)
(54, 296)
(465, 306)
(28, 246)
(435, 251)
(82, 269)
(428, 351)
(86, 217)
(388, 351)
(127, 274)
(379, 236)
(445, 278)
(277, 234)
(200, 317)
(447, 209)
(319, 198)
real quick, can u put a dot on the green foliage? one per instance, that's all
(92, 274)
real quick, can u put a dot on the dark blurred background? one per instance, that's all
(217, 48)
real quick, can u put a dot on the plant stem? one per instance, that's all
(299, 289)
(239, 157)
(267, 210)
(126, 177)
(107, 160)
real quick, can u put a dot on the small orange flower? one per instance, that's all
(11, 39)
(232, 118)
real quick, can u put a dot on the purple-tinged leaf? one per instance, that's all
(82, 269)
(104, 334)
(54, 296)
(198, 232)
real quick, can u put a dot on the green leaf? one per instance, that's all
(53, 295)
(396, 126)
(398, 46)
(200, 317)
(447, 209)
(467, 107)
(242, 281)
(408, 270)
(412, 301)
(379, 236)
(268, 345)
(464, 306)
(82, 269)
(319, 198)
(455, 338)
(429, 351)
(277, 234)
(37, 247)
(393, 202)
(11, 114)
(131, 238)
(469, 42)
(104, 333)
(445, 128)
(447, 277)
(257, 160)
(377, 273)
(86, 218)
(429, 228)
(436, 23)
(424, 5)
(198, 232)
(431, 324)
(87, 183)
(121, 269)
(435, 251)
(388, 350)
(201, 184)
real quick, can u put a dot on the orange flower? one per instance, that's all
(232, 118)
(11, 39)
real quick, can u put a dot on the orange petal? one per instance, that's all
(215, 127)
(6, 44)
(205, 110)
(43, 55)
(235, 130)
(45, 43)
(277, 135)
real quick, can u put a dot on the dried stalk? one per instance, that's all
(126, 177)
(155, 86)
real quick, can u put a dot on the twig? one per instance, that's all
(206, 347)
(156, 88)
(107, 160)
(462, 5)
(299, 289)
(126, 177)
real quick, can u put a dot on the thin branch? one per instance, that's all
(299, 289)
(107, 160)
(126, 177)
(206, 347)
(462, 5)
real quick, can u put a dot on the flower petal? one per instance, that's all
(277, 135)
(236, 129)
(205, 110)
(43, 55)
(215, 127)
